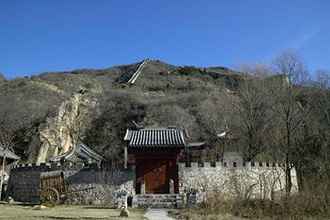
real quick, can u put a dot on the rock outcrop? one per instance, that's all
(61, 133)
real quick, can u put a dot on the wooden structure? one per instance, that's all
(154, 152)
(7, 159)
(52, 186)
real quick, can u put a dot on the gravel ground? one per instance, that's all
(157, 214)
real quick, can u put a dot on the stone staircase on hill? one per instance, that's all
(137, 73)
(158, 201)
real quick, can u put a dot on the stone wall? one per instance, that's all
(88, 185)
(158, 201)
(104, 187)
(93, 185)
(244, 180)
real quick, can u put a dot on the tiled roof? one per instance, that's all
(155, 137)
(81, 151)
(9, 154)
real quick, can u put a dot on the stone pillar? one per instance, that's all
(133, 170)
(172, 190)
(124, 201)
(143, 187)
(126, 157)
(135, 201)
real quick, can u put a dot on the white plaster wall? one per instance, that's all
(265, 181)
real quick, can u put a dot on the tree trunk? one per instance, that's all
(300, 179)
(288, 180)
(2, 174)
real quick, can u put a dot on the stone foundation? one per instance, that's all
(158, 201)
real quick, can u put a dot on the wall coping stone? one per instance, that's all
(230, 164)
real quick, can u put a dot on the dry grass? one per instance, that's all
(15, 212)
(195, 215)
(298, 207)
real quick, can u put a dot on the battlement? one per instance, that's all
(42, 167)
(225, 175)
(231, 164)
(24, 182)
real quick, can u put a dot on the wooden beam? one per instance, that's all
(126, 157)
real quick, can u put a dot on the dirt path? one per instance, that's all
(157, 214)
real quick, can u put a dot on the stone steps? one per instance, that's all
(157, 201)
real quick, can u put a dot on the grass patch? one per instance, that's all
(298, 207)
(15, 212)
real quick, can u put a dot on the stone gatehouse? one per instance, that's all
(154, 153)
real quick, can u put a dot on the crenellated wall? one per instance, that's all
(235, 179)
(105, 187)
(232, 179)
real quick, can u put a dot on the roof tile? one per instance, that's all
(155, 137)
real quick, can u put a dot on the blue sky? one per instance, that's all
(47, 35)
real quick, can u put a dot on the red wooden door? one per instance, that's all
(156, 177)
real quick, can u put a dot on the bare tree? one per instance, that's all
(259, 70)
(7, 141)
(323, 78)
(321, 124)
(252, 112)
(289, 63)
(212, 117)
(289, 109)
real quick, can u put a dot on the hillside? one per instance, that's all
(53, 111)
(2, 78)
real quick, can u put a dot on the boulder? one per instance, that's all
(39, 207)
(124, 212)
(11, 200)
